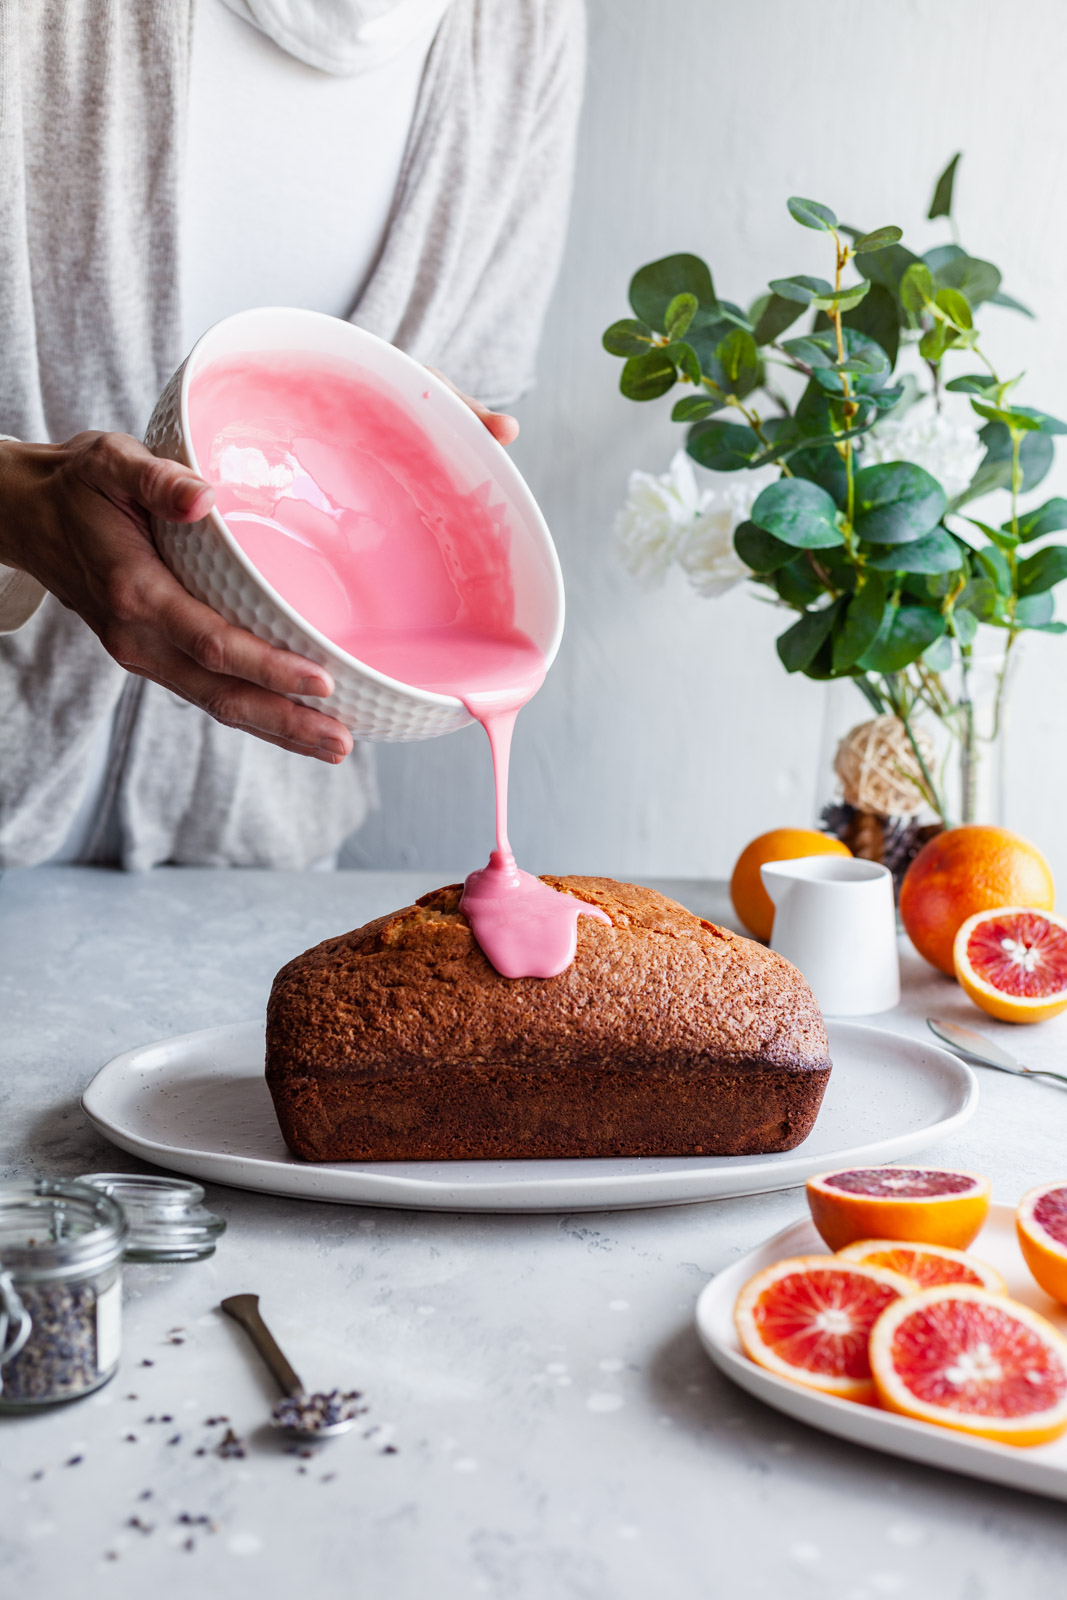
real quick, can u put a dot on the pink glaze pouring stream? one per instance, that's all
(350, 513)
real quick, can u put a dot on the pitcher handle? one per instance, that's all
(13, 1315)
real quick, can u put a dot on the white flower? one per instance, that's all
(947, 446)
(706, 553)
(670, 519)
(655, 515)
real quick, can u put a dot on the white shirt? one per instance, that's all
(289, 183)
(290, 172)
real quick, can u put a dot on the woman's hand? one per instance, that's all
(75, 517)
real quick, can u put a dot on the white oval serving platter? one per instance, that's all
(1041, 1469)
(198, 1104)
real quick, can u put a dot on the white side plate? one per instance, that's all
(1042, 1469)
(199, 1104)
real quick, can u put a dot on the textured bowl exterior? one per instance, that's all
(208, 563)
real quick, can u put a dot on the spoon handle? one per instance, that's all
(1046, 1072)
(244, 1308)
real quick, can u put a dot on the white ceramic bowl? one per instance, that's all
(212, 566)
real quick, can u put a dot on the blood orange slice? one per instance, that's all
(924, 1265)
(1041, 1224)
(922, 1204)
(973, 1360)
(809, 1318)
(1013, 963)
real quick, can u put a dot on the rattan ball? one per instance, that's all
(878, 769)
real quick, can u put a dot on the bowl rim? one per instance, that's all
(503, 467)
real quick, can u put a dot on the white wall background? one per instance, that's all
(667, 734)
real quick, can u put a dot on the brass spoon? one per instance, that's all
(302, 1415)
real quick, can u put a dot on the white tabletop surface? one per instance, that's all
(556, 1431)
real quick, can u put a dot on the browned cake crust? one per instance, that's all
(666, 1036)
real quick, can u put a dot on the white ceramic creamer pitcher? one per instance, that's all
(834, 918)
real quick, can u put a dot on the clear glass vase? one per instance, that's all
(958, 720)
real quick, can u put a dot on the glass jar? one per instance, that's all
(61, 1246)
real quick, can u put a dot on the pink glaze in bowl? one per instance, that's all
(211, 564)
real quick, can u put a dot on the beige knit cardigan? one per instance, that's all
(92, 102)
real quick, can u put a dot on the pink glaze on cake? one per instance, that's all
(339, 499)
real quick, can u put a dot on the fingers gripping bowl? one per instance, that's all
(211, 564)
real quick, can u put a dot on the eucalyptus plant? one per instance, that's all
(889, 591)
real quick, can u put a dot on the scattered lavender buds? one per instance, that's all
(59, 1358)
(313, 1413)
(230, 1447)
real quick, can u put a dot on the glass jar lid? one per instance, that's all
(165, 1216)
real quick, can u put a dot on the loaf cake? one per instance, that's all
(667, 1036)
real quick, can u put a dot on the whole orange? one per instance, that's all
(750, 899)
(964, 870)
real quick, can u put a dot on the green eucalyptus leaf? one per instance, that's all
(972, 383)
(797, 583)
(996, 567)
(965, 625)
(941, 254)
(1010, 417)
(801, 288)
(862, 624)
(810, 214)
(1045, 423)
(1009, 301)
(896, 503)
(934, 342)
(778, 313)
(940, 655)
(800, 644)
(1049, 518)
(655, 286)
(842, 299)
(1043, 570)
(876, 318)
(979, 597)
(628, 338)
(955, 307)
(738, 357)
(977, 280)
(917, 287)
(679, 314)
(1035, 458)
(722, 446)
(694, 407)
(886, 267)
(799, 513)
(759, 549)
(685, 358)
(1035, 610)
(936, 552)
(879, 239)
(647, 377)
(1003, 539)
(906, 631)
(941, 204)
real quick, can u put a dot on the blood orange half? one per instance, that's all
(809, 1318)
(926, 1266)
(1041, 1224)
(923, 1204)
(972, 1360)
(1013, 963)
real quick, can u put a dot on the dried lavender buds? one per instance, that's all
(314, 1413)
(61, 1358)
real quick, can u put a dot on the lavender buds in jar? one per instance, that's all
(61, 1248)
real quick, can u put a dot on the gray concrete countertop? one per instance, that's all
(546, 1425)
